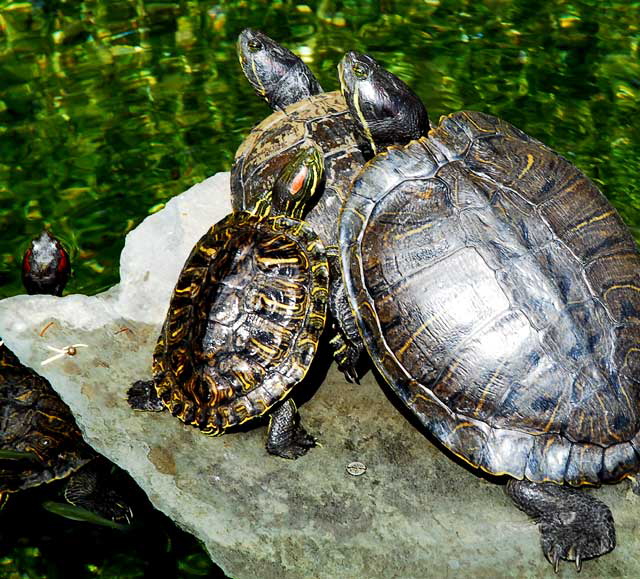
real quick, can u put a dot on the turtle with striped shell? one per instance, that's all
(498, 293)
(245, 317)
(40, 441)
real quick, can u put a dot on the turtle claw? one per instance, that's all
(573, 525)
(554, 559)
(572, 537)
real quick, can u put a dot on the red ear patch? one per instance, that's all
(298, 181)
(26, 261)
(63, 262)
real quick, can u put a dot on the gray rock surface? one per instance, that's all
(413, 513)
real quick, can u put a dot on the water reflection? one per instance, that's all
(108, 109)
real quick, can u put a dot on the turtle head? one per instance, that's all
(297, 184)
(386, 111)
(276, 74)
(45, 266)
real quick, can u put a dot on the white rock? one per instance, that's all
(413, 513)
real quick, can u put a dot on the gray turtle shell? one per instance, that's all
(498, 293)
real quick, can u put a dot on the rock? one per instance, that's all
(414, 512)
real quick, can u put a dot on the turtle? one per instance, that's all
(46, 266)
(497, 292)
(245, 317)
(40, 441)
(305, 114)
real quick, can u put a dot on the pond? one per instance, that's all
(108, 109)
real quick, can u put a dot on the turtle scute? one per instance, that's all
(496, 289)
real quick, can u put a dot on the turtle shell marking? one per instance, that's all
(244, 320)
(498, 292)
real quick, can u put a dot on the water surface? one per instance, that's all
(108, 109)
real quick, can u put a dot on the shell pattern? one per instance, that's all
(322, 119)
(244, 320)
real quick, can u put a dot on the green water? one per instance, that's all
(108, 109)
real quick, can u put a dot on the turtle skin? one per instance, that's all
(244, 321)
(322, 119)
(497, 292)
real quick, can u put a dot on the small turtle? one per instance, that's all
(46, 266)
(245, 317)
(498, 293)
(40, 442)
(306, 115)
(39, 439)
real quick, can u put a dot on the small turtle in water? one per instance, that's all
(46, 266)
(498, 293)
(304, 115)
(245, 317)
(40, 442)
(39, 439)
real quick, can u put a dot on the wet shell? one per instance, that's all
(322, 119)
(498, 292)
(34, 420)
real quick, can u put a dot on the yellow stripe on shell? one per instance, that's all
(593, 220)
(529, 165)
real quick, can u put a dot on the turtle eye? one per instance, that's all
(360, 70)
(254, 45)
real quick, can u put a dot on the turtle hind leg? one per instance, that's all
(286, 437)
(142, 396)
(91, 488)
(574, 526)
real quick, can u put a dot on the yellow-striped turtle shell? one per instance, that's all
(34, 421)
(498, 293)
(322, 119)
(244, 320)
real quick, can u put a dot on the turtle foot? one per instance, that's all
(574, 526)
(142, 396)
(346, 356)
(90, 488)
(346, 343)
(287, 438)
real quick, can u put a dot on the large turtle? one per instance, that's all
(245, 317)
(498, 293)
(40, 441)
(303, 115)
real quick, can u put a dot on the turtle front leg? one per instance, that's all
(574, 526)
(286, 437)
(346, 343)
(142, 396)
(91, 488)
